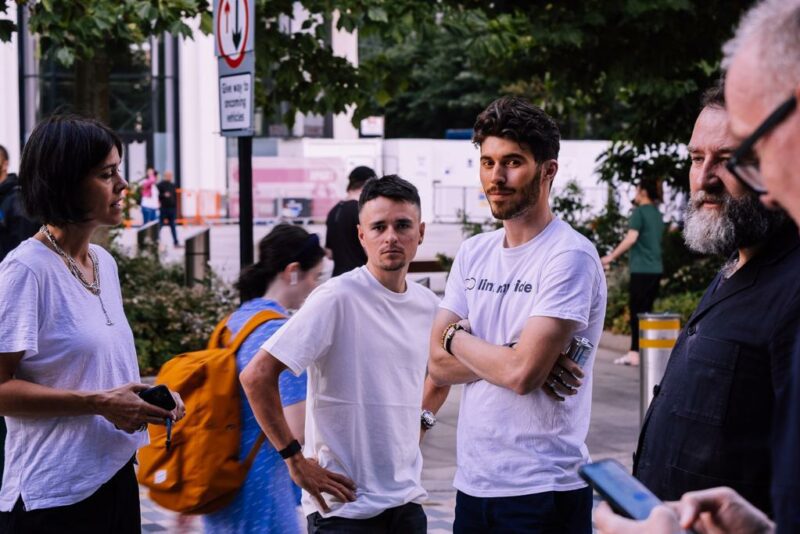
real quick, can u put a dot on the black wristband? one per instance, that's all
(453, 328)
(290, 450)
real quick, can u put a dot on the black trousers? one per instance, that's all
(112, 509)
(642, 292)
(407, 519)
(551, 512)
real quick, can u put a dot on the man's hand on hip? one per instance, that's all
(315, 479)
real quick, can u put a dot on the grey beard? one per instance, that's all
(740, 223)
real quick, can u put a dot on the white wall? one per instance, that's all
(345, 45)
(9, 95)
(202, 147)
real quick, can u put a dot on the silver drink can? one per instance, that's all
(579, 350)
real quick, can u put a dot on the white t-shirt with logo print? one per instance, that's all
(510, 444)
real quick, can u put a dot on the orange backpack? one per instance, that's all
(201, 472)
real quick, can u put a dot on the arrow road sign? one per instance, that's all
(234, 26)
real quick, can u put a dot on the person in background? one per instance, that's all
(644, 242)
(69, 375)
(168, 202)
(341, 238)
(149, 190)
(15, 225)
(288, 269)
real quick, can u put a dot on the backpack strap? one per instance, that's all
(255, 321)
(215, 341)
(251, 456)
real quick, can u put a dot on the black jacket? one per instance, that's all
(15, 226)
(710, 421)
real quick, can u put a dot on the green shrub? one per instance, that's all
(682, 303)
(168, 318)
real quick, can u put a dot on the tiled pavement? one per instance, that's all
(612, 434)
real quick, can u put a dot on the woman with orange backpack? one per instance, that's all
(288, 269)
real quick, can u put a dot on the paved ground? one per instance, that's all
(612, 434)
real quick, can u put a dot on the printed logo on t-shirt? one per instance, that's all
(483, 284)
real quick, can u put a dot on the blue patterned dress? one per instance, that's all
(268, 500)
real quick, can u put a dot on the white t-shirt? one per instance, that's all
(366, 350)
(509, 444)
(60, 326)
(151, 200)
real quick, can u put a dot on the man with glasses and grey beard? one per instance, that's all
(710, 421)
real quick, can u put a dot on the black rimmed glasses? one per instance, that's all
(743, 163)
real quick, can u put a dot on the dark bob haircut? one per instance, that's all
(60, 153)
(517, 119)
(389, 186)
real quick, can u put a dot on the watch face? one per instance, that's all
(428, 419)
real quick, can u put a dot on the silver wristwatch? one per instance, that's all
(427, 419)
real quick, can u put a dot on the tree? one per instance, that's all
(627, 70)
(86, 34)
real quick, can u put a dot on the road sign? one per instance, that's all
(234, 26)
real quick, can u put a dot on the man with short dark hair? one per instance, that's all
(15, 226)
(515, 298)
(716, 399)
(362, 336)
(341, 238)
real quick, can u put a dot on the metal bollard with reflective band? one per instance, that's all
(657, 335)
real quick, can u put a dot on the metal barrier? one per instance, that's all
(657, 335)
(147, 235)
(198, 253)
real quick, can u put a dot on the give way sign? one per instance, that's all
(234, 25)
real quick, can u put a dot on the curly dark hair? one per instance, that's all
(515, 118)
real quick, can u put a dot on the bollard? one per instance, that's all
(147, 235)
(657, 335)
(197, 254)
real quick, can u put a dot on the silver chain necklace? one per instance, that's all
(72, 265)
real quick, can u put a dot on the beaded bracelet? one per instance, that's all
(449, 334)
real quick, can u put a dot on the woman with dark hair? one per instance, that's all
(69, 376)
(288, 269)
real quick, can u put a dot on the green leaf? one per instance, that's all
(378, 14)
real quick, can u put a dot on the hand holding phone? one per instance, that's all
(159, 396)
(626, 495)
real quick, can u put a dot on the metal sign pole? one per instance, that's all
(245, 201)
(234, 31)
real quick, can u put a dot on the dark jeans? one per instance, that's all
(112, 509)
(642, 292)
(406, 519)
(551, 512)
(169, 215)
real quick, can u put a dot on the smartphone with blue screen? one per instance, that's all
(626, 495)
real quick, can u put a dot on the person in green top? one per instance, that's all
(646, 228)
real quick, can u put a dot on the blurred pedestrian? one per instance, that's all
(643, 240)
(149, 190)
(15, 225)
(341, 238)
(514, 300)
(288, 269)
(69, 376)
(362, 337)
(168, 205)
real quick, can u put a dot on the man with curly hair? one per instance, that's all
(514, 299)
